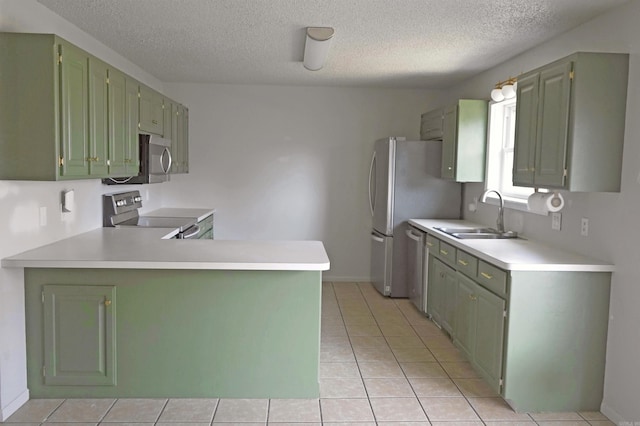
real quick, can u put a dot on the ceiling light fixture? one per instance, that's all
(316, 47)
(505, 90)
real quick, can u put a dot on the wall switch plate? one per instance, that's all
(584, 227)
(556, 221)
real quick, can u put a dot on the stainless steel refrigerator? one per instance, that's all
(404, 184)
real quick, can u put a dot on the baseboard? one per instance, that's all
(612, 414)
(14, 405)
(330, 278)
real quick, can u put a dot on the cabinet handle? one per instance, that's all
(444, 252)
(462, 262)
(127, 160)
(441, 274)
(472, 297)
(107, 302)
(487, 276)
(154, 121)
(449, 168)
(429, 244)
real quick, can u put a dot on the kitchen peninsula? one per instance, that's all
(132, 313)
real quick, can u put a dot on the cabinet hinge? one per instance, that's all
(571, 75)
(61, 161)
(564, 173)
(138, 125)
(139, 94)
(107, 80)
(43, 297)
(59, 58)
(162, 106)
(44, 371)
(504, 314)
(501, 384)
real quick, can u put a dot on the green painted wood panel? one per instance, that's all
(79, 335)
(117, 123)
(471, 142)
(151, 111)
(74, 97)
(184, 147)
(553, 125)
(98, 157)
(449, 139)
(435, 289)
(195, 333)
(132, 151)
(488, 343)
(525, 137)
(465, 316)
(29, 107)
(556, 340)
(449, 309)
(431, 125)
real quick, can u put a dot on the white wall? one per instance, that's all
(291, 162)
(20, 204)
(613, 217)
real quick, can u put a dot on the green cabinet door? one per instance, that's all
(449, 136)
(117, 123)
(184, 155)
(442, 293)
(151, 111)
(132, 151)
(553, 125)
(525, 137)
(488, 342)
(79, 335)
(570, 121)
(74, 95)
(176, 137)
(465, 316)
(98, 157)
(464, 139)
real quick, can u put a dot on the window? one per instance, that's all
(502, 129)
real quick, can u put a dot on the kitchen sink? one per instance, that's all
(478, 233)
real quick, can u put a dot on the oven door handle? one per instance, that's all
(196, 230)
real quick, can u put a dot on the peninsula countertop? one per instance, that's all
(150, 248)
(518, 254)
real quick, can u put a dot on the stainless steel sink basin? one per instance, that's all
(478, 233)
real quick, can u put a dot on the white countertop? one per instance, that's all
(513, 254)
(197, 214)
(147, 248)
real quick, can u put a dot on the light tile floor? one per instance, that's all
(381, 362)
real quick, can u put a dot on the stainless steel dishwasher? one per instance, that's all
(416, 278)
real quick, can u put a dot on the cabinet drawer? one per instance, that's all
(492, 278)
(447, 253)
(433, 244)
(466, 263)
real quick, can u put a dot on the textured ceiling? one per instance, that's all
(382, 43)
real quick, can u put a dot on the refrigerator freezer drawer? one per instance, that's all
(381, 259)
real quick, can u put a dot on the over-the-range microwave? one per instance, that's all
(155, 162)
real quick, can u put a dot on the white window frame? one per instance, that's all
(500, 137)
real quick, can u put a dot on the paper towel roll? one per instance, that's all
(545, 202)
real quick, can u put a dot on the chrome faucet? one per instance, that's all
(500, 221)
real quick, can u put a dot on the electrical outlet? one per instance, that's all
(584, 227)
(556, 221)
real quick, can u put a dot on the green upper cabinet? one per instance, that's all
(123, 124)
(79, 335)
(570, 119)
(431, 125)
(176, 128)
(464, 140)
(73, 66)
(151, 111)
(64, 114)
(99, 101)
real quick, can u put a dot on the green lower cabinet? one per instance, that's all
(479, 329)
(442, 294)
(79, 335)
(178, 333)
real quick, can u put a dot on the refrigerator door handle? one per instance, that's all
(372, 197)
(374, 237)
(413, 236)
